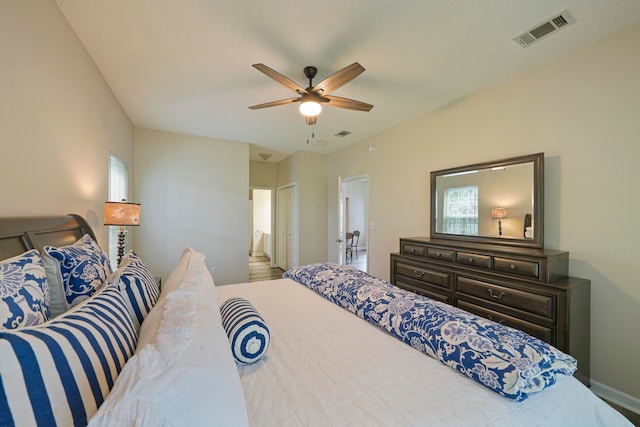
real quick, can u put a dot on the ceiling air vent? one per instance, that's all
(343, 133)
(544, 29)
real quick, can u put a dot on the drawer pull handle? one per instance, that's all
(470, 260)
(438, 254)
(418, 274)
(500, 295)
(513, 267)
(501, 321)
(412, 250)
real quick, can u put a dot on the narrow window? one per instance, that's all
(118, 185)
(461, 210)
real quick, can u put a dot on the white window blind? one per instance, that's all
(118, 185)
(461, 210)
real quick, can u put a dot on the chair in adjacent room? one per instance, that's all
(354, 243)
(347, 250)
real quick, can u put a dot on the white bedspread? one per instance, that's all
(327, 367)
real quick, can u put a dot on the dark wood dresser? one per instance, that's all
(525, 288)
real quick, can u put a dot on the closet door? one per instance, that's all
(286, 227)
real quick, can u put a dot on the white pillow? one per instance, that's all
(189, 257)
(183, 373)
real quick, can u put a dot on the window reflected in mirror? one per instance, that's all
(499, 201)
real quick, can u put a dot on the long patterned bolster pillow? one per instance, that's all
(59, 372)
(248, 333)
(506, 360)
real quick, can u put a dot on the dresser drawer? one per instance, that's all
(476, 260)
(422, 290)
(440, 254)
(543, 305)
(516, 266)
(424, 275)
(542, 332)
(413, 250)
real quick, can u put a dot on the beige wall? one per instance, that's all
(583, 112)
(194, 192)
(309, 172)
(263, 174)
(58, 119)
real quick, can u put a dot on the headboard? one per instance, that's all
(20, 234)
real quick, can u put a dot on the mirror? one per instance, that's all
(498, 202)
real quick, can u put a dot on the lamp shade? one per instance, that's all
(498, 213)
(121, 213)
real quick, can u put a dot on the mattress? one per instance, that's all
(327, 367)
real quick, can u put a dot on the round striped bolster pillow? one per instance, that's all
(248, 333)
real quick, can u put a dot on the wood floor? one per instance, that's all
(630, 415)
(260, 269)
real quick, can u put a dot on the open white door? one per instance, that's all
(353, 193)
(340, 240)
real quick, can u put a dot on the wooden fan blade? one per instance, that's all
(350, 104)
(275, 103)
(280, 78)
(338, 79)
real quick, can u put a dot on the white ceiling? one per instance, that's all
(185, 65)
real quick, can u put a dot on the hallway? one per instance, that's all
(260, 269)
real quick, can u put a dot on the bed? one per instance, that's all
(316, 352)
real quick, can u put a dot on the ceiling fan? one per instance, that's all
(312, 97)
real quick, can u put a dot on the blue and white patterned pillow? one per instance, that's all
(75, 272)
(506, 360)
(139, 286)
(248, 333)
(24, 291)
(60, 372)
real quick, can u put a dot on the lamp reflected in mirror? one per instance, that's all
(499, 214)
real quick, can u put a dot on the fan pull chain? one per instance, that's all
(313, 134)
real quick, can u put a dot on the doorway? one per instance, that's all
(261, 222)
(262, 263)
(353, 220)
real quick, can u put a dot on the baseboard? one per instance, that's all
(257, 254)
(615, 396)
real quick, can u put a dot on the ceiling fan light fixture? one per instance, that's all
(312, 97)
(310, 108)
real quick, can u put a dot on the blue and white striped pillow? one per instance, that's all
(59, 372)
(139, 286)
(248, 333)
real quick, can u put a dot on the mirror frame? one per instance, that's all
(538, 202)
